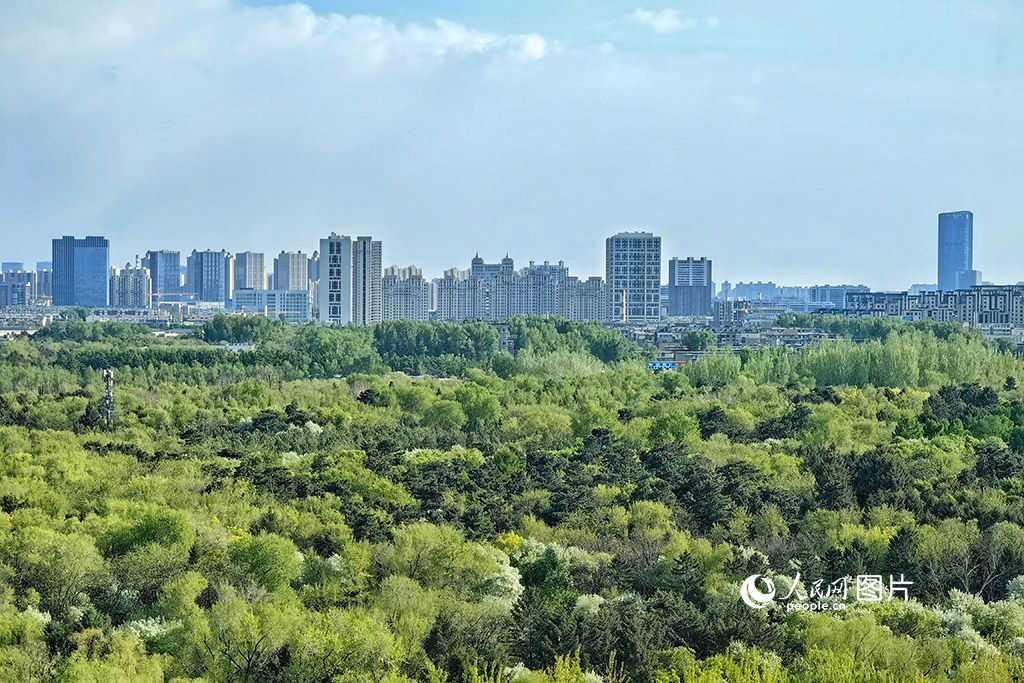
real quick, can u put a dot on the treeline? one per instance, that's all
(908, 358)
(868, 329)
(283, 352)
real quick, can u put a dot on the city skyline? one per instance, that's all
(666, 256)
(356, 288)
(771, 138)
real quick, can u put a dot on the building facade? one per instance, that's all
(335, 301)
(633, 276)
(833, 296)
(983, 305)
(956, 250)
(165, 275)
(495, 292)
(250, 270)
(406, 295)
(690, 289)
(292, 305)
(291, 271)
(15, 294)
(367, 295)
(209, 276)
(80, 268)
(130, 287)
(38, 284)
(583, 300)
(460, 297)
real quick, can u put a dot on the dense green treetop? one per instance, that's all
(311, 511)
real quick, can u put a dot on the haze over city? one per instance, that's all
(799, 144)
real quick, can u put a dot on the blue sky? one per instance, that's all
(800, 142)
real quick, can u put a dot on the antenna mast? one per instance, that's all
(108, 396)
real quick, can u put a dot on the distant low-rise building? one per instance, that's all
(292, 305)
(976, 307)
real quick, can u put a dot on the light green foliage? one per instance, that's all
(310, 511)
(714, 369)
(269, 560)
(440, 557)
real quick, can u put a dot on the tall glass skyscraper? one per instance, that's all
(165, 272)
(209, 275)
(80, 271)
(956, 250)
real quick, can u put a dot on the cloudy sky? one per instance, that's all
(796, 141)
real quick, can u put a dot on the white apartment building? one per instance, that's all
(633, 277)
(250, 270)
(290, 304)
(291, 271)
(350, 288)
(130, 287)
(406, 295)
(367, 295)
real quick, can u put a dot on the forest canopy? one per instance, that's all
(407, 502)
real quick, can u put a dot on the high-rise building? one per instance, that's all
(583, 299)
(335, 303)
(44, 285)
(487, 276)
(250, 270)
(528, 291)
(559, 271)
(130, 287)
(80, 269)
(229, 277)
(690, 288)
(164, 274)
(314, 267)
(488, 271)
(9, 266)
(22, 277)
(497, 291)
(956, 250)
(44, 265)
(405, 294)
(633, 276)
(291, 271)
(367, 297)
(460, 296)
(208, 273)
(15, 294)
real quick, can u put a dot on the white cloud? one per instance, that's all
(666, 21)
(199, 29)
(209, 124)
